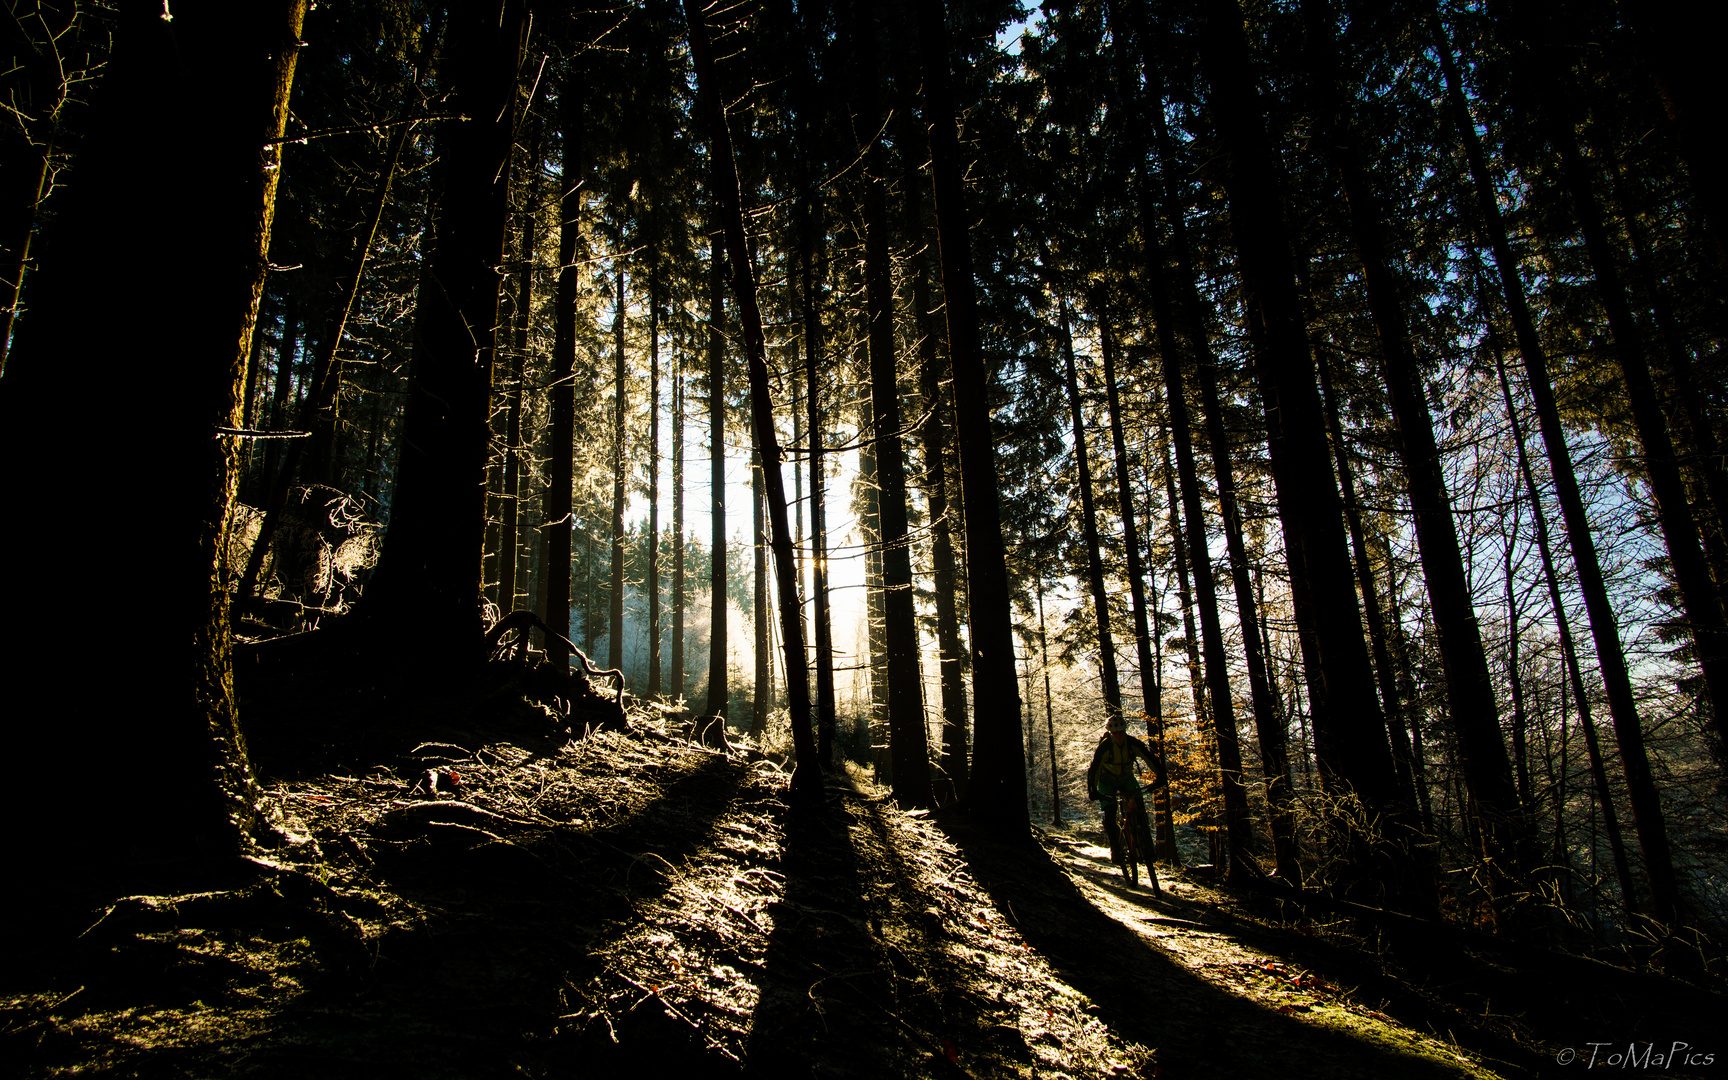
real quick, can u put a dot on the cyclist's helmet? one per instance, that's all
(1117, 723)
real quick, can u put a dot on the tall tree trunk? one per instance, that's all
(653, 480)
(798, 460)
(867, 503)
(509, 529)
(1185, 600)
(1515, 677)
(1192, 314)
(1149, 688)
(1112, 685)
(1358, 756)
(908, 737)
(1049, 711)
(1223, 713)
(678, 594)
(1699, 599)
(1387, 676)
(715, 701)
(943, 508)
(1694, 435)
(1469, 687)
(1647, 817)
(620, 463)
(806, 782)
(759, 702)
(811, 236)
(429, 574)
(180, 159)
(950, 783)
(1268, 724)
(557, 522)
(997, 791)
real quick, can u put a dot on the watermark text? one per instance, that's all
(1634, 1055)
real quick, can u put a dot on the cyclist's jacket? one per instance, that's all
(1116, 763)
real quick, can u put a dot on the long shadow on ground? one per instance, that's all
(827, 973)
(1145, 995)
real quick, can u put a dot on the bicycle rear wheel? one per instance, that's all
(1130, 846)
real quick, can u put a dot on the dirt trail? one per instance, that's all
(1225, 1008)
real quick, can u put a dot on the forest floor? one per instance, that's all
(485, 898)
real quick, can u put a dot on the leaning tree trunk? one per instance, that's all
(1358, 757)
(806, 782)
(1469, 687)
(1569, 651)
(1699, 598)
(1647, 816)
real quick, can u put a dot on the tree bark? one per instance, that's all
(824, 631)
(806, 782)
(1112, 685)
(1149, 688)
(1699, 599)
(908, 738)
(558, 524)
(997, 792)
(181, 159)
(678, 584)
(429, 576)
(715, 702)
(1192, 314)
(620, 459)
(653, 480)
(509, 529)
(1387, 675)
(1358, 757)
(943, 508)
(759, 618)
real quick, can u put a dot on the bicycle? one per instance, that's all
(1127, 804)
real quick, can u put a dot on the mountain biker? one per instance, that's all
(1111, 773)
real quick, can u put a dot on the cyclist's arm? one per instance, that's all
(1152, 762)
